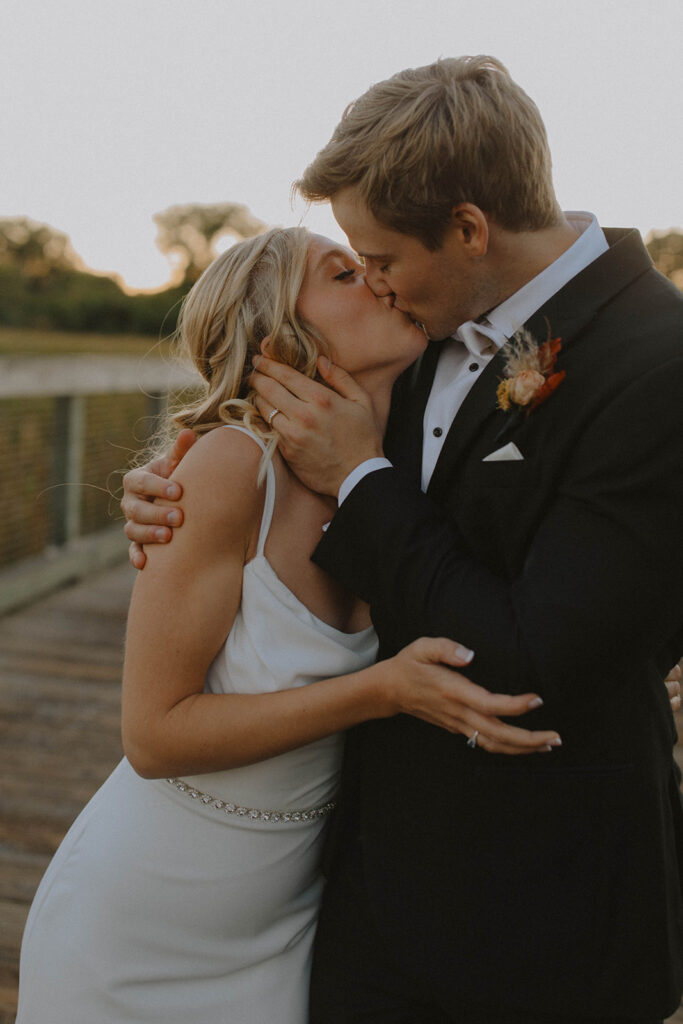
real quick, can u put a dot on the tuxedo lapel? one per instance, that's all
(566, 315)
(573, 308)
(404, 433)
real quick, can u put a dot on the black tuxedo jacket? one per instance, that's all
(547, 883)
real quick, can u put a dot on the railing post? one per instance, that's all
(74, 466)
(51, 493)
(67, 468)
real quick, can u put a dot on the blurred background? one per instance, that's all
(139, 138)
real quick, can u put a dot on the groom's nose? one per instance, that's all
(376, 283)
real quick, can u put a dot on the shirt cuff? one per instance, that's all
(357, 474)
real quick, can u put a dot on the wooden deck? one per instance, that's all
(60, 674)
(60, 668)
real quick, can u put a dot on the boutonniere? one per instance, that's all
(530, 376)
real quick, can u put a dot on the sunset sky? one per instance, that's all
(115, 109)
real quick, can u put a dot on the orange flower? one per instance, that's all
(525, 386)
(530, 378)
(551, 384)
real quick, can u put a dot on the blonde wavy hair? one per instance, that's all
(246, 294)
(458, 130)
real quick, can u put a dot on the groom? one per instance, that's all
(465, 886)
(529, 504)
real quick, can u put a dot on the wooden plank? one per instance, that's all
(59, 668)
(21, 875)
(60, 676)
(13, 916)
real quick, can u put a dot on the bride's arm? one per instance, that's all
(182, 609)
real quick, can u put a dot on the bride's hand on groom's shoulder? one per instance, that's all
(422, 680)
(673, 686)
(148, 521)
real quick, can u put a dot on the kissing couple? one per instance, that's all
(419, 542)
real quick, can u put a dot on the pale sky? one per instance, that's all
(112, 110)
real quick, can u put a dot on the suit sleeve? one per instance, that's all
(602, 577)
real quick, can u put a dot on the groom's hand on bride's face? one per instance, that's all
(326, 430)
(146, 522)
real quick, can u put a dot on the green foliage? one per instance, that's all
(188, 233)
(72, 300)
(37, 250)
(34, 341)
(666, 251)
(43, 283)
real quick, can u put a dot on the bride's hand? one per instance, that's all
(673, 686)
(419, 683)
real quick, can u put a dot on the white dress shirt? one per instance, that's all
(464, 357)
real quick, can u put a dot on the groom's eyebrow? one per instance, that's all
(372, 255)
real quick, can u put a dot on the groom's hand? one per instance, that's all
(147, 522)
(325, 432)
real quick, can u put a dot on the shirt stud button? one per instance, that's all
(474, 367)
(437, 431)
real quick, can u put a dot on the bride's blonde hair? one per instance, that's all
(247, 293)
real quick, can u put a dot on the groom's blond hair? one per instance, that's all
(459, 130)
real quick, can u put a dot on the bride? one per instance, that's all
(187, 889)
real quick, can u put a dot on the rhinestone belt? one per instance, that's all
(253, 813)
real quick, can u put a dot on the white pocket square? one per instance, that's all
(508, 453)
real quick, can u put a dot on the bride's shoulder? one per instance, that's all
(223, 448)
(219, 474)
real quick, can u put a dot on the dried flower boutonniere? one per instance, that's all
(530, 376)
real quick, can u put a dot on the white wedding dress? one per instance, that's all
(194, 901)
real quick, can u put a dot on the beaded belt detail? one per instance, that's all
(253, 813)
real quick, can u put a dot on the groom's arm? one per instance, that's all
(602, 577)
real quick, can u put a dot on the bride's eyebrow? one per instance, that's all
(331, 254)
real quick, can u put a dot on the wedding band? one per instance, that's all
(472, 741)
(272, 417)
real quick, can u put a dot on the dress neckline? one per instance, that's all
(291, 599)
(260, 556)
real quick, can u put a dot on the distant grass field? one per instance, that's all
(28, 341)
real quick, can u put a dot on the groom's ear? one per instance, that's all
(471, 228)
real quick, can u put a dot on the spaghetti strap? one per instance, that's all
(269, 503)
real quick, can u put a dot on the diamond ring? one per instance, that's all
(472, 741)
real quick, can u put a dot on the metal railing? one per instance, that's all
(69, 380)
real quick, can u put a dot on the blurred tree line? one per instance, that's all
(44, 283)
(666, 251)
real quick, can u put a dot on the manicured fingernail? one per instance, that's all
(255, 360)
(535, 703)
(173, 518)
(325, 363)
(173, 491)
(161, 535)
(464, 653)
(557, 742)
(545, 750)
